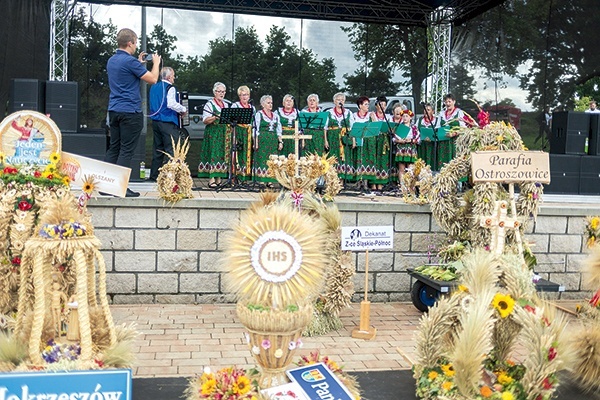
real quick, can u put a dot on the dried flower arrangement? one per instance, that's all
(174, 179)
(465, 341)
(451, 210)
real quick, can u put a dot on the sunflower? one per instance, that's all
(447, 386)
(504, 304)
(208, 387)
(66, 180)
(432, 375)
(2, 157)
(54, 158)
(89, 184)
(448, 370)
(241, 385)
(507, 396)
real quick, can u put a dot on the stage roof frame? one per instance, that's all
(393, 12)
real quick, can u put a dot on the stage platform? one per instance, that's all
(172, 253)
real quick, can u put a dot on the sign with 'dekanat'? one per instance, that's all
(510, 166)
(360, 238)
(73, 385)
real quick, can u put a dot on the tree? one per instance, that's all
(91, 45)
(376, 83)
(390, 48)
(553, 38)
(163, 44)
(461, 83)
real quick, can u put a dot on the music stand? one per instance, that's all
(314, 121)
(232, 117)
(360, 131)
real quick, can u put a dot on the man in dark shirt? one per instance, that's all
(126, 118)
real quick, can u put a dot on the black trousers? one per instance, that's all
(162, 134)
(125, 131)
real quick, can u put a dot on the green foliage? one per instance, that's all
(376, 83)
(390, 48)
(582, 103)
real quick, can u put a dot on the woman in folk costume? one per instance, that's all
(406, 145)
(243, 135)
(382, 146)
(288, 114)
(216, 145)
(434, 152)
(318, 144)
(363, 164)
(267, 140)
(451, 117)
(339, 124)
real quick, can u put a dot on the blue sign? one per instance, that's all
(318, 382)
(74, 385)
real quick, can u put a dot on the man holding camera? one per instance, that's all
(126, 119)
(164, 111)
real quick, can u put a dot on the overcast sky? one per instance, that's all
(194, 29)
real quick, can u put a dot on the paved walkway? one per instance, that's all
(181, 339)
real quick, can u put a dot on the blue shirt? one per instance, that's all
(124, 73)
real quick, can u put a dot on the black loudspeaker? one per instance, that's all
(26, 94)
(594, 145)
(62, 103)
(589, 181)
(569, 132)
(89, 143)
(564, 174)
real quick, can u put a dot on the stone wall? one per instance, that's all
(156, 253)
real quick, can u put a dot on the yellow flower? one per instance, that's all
(463, 288)
(66, 181)
(507, 396)
(504, 378)
(594, 223)
(591, 241)
(432, 375)
(208, 387)
(447, 385)
(448, 369)
(50, 168)
(2, 158)
(54, 158)
(500, 138)
(241, 385)
(504, 304)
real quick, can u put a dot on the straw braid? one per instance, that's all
(39, 308)
(104, 297)
(85, 330)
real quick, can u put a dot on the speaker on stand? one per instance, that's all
(569, 132)
(26, 94)
(62, 103)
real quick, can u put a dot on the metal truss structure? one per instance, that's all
(441, 37)
(393, 12)
(59, 38)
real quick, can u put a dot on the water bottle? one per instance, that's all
(587, 142)
(142, 170)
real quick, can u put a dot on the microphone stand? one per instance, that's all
(346, 145)
(254, 184)
(435, 136)
(389, 138)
